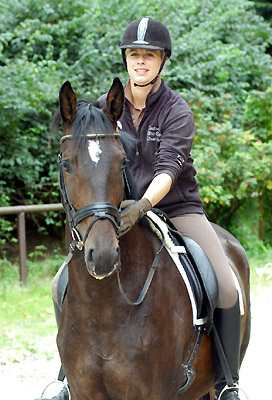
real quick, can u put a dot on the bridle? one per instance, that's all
(100, 210)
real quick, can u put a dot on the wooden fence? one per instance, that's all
(21, 211)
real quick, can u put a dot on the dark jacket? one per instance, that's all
(164, 142)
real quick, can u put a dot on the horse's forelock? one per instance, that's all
(89, 119)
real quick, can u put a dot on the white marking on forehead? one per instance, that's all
(94, 150)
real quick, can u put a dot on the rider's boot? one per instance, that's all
(63, 394)
(228, 325)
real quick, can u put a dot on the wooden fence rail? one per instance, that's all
(21, 211)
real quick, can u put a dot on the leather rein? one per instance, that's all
(100, 210)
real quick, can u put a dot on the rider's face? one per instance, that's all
(143, 64)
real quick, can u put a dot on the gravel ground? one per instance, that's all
(24, 375)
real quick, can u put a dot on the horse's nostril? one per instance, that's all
(90, 256)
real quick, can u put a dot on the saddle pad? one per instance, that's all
(199, 279)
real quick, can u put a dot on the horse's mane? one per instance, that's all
(91, 115)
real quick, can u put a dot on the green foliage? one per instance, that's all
(219, 65)
(264, 8)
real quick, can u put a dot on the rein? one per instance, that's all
(150, 275)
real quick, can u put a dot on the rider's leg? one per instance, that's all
(198, 228)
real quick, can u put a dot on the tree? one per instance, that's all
(218, 65)
(264, 8)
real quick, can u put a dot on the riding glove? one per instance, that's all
(131, 212)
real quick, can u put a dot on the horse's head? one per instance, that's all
(91, 162)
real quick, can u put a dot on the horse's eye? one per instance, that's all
(67, 166)
(124, 164)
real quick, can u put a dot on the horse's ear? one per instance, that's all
(115, 101)
(67, 100)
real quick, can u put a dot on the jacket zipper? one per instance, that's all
(137, 149)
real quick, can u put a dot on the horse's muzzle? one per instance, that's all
(101, 263)
(101, 276)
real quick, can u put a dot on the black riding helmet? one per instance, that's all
(147, 33)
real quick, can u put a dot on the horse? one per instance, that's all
(112, 349)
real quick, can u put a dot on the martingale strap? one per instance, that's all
(187, 363)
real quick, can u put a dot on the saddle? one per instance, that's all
(194, 266)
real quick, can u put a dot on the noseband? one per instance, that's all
(100, 210)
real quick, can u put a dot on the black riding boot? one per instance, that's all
(228, 324)
(63, 395)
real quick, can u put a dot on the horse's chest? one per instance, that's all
(113, 360)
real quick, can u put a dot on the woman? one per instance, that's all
(162, 166)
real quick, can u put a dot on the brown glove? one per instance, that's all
(131, 212)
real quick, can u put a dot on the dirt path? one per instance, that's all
(24, 376)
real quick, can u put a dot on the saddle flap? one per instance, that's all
(205, 273)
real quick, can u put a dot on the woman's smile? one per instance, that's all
(141, 71)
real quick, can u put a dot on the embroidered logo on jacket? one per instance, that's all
(153, 134)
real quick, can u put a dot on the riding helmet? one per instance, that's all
(146, 33)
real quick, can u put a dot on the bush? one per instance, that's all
(219, 65)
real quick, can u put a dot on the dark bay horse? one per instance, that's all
(111, 350)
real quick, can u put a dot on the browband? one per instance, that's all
(91, 135)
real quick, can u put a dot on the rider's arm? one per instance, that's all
(158, 188)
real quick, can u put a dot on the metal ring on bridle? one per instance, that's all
(77, 238)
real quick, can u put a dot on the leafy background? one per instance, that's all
(221, 65)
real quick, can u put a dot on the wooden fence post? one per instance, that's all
(22, 246)
(20, 211)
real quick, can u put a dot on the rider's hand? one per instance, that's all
(131, 212)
